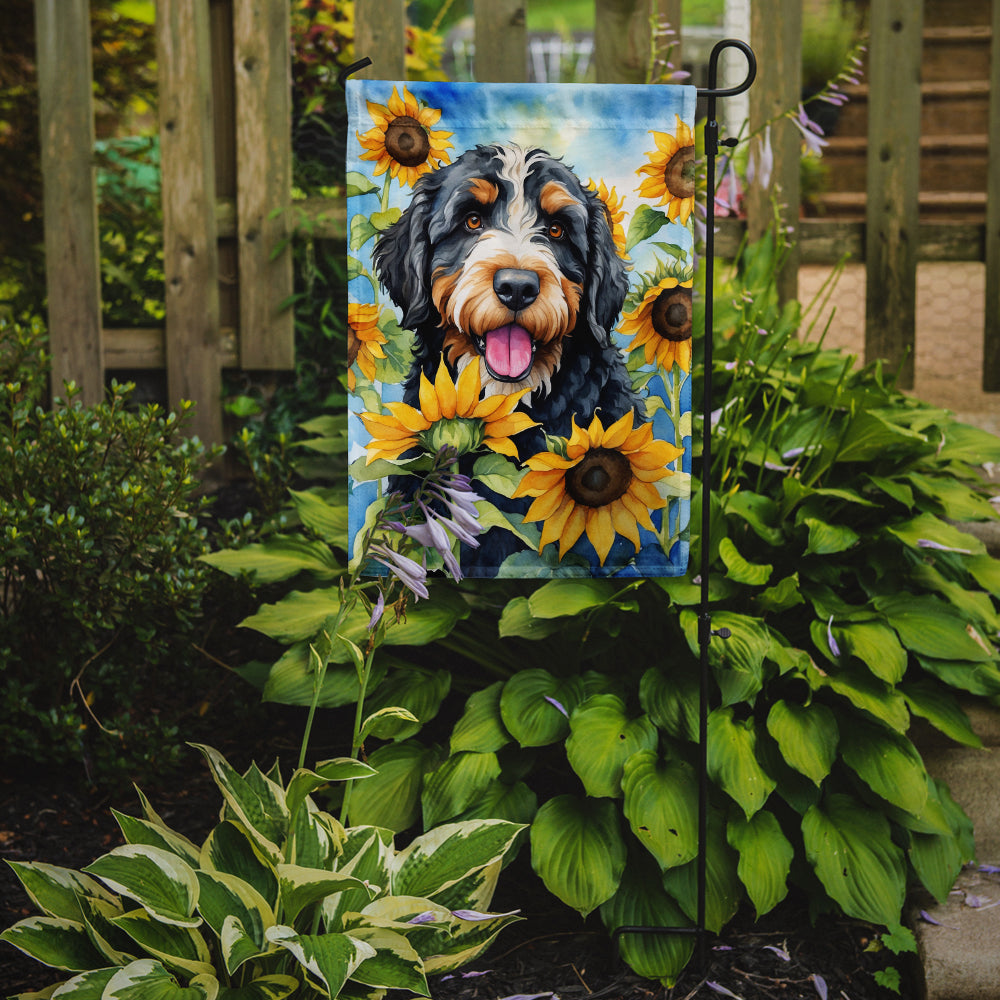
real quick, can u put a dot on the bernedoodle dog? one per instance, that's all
(504, 259)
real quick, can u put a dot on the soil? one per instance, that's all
(551, 953)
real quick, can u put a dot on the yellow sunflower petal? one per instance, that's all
(616, 435)
(430, 407)
(552, 529)
(646, 494)
(572, 529)
(638, 510)
(625, 523)
(467, 389)
(503, 446)
(445, 389)
(410, 418)
(600, 531)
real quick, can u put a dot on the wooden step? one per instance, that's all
(940, 13)
(956, 53)
(945, 105)
(957, 206)
(947, 162)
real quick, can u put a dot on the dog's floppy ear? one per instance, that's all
(607, 280)
(402, 256)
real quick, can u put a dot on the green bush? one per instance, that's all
(854, 605)
(101, 584)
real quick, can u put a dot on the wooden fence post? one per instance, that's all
(190, 251)
(623, 39)
(893, 183)
(262, 61)
(72, 255)
(501, 41)
(380, 34)
(991, 332)
(776, 35)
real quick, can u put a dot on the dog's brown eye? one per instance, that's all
(473, 222)
(556, 230)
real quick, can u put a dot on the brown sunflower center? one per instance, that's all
(406, 141)
(671, 315)
(678, 175)
(599, 478)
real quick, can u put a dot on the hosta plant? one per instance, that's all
(279, 900)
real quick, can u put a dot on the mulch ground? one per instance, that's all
(551, 953)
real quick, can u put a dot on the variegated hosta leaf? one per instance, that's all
(765, 858)
(301, 887)
(475, 891)
(329, 959)
(224, 898)
(850, 847)
(116, 946)
(141, 831)
(275, 987)
(56, 891)
(481, 727)
(578, 851)
(230, 849)
(395, 964)
(315, 838)
(177, 947)
(158, 880)
(86, 986)
(149, 980)
(304, 782)
(732, 760)
(441, 857)
(367, 853)
(807, 736)
(468, 939)
(456, 784)
(256, 801)
(642, 902)
(602, 737)
(54, 941)
(661, 799)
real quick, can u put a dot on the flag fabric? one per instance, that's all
(520, 270)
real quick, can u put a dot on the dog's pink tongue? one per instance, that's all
(508, 351)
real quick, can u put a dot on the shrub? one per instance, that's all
(99, 546)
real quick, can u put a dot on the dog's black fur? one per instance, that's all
(498, 210)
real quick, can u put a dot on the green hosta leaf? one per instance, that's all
(418, 691)
(54, 941)
(385, 723)
(328, 520)
(441, 857)
(230, 849)
(850, 848)
(738, 569)
(661, 798)
(866, 692)
(986, 571)
(941, 709)
(292, 680)
(260, 809)
(530, 706)
(56, 891)
(785, 594)
(807, 736)
(738, 662)
(516, 803)
(760, 512)
(275, 987)
(141, 831)
(870, 436)
(957, 501)
(159, 881)
(671, 700)
(828, 539)
(517, 620)
(147, 979)
(578, 851)
(931, 628)
(561, 598)
(330, 959)
(723, 889)
(976, 678)
(641, 901)
(481, 728)
(226, 898)
(391, 798)
(395, 964)
(301, 887)
(304, 782)
(876, 646)
(732, 760)
(888, 763)
(602, 738)
(456, 784)
(928, 528)
(765, 858)
(937, 859)
(279, 558)
(180, 948)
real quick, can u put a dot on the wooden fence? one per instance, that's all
(226, 161)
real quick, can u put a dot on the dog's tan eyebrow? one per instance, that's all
(484, 191)
(555, 197)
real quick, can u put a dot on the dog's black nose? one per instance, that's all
(515, 288)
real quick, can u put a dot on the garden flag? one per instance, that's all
(520, 269)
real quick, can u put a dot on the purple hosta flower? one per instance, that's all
(820, 983)
(455, 492)
(780, 952)
(728, 195)
(475, 915)
(427, 917)
(990, 869)
(465, 975)
(760, 164)
(431, 534)
(834, 648)
(812, 134)
(719, 988)
(531, 996)
(928, 543)
(377, 612)
(558, 705)
(408, 571)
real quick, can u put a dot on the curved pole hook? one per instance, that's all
(713, 69)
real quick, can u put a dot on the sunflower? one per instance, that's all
(671, 171)
(402, 140)
(451, 413)
(364, 340)
(661, 324)
(616, 213)
(606, 485)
